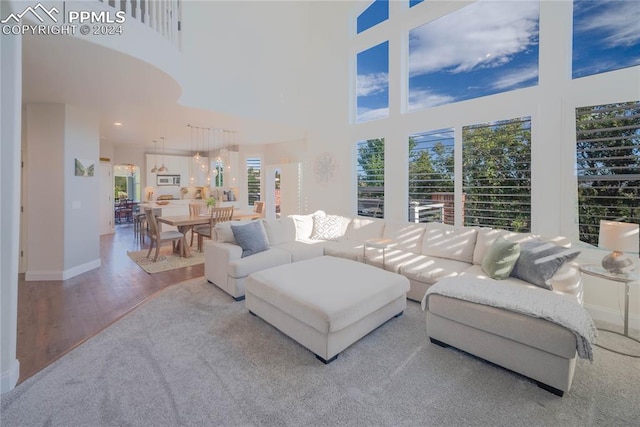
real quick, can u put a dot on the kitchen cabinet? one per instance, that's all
(176, 165)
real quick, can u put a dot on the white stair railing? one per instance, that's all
(162, 16)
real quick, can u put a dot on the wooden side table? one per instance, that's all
(630, 278)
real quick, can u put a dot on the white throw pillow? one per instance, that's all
(223, 234)
(328, 227)
(304, 224)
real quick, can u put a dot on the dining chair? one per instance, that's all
(158, 237)
(196, 209)
(258, 207)
(139, 226)
(217, 215)
(124, 211)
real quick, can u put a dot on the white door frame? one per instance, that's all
(106, 198)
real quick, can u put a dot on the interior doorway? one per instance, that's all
(283, 190)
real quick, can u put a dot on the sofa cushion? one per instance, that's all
(486, 237)
(393, 258)
(344, 248)
(408, 235)
(222, 231)
(428, 269)
(361, 229)
(304, 224)
(539, 261)
(301, 250)
(329, 227)
(242, 267)
(450, 242)
(251, 237)
(280, 230)
(501, 258)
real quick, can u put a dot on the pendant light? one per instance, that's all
(163, 168)
(155, 166)
(192, 179)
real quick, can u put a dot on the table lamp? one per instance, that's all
(619, 237)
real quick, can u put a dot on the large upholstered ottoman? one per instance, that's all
(326, 303)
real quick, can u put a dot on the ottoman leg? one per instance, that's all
(440, 343)
(326, 362)
(550, 389)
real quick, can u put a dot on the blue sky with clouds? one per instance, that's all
(490, 47)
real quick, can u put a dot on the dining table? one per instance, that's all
(185, 223)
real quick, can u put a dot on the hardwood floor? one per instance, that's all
(56, 316)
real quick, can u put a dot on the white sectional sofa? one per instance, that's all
(425, 253)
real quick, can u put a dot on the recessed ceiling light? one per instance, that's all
(117, 124)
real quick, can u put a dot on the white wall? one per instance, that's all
(44, 201)
(253, 62)
(551, 106)
(81, 194)
(61, 210)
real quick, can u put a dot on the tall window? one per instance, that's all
(608, 166)
(371, 178)
(372, 83)
(253, 180)
(376, 13)
(431, 179)
(496, 173)
(482, 49)
(606, 36)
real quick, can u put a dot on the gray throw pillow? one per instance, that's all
(539, 261)
(251, 237)
(501, 258)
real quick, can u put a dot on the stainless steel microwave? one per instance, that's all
(168, 180)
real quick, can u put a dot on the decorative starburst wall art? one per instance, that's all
(325, 168)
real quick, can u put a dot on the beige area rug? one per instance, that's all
(167, 260)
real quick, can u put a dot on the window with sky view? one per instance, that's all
(485, 48)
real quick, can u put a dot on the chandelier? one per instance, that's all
(131, 169)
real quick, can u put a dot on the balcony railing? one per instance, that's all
(162, 16)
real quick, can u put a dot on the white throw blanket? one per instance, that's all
(520, 299)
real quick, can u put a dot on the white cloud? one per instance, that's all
(368, 84)
(420, 99)
(484, 34)
(619, 22)
(515, 78)
(366, 114)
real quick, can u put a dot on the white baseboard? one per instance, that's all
(612, 316)
(9, 379)
(62, 275)
(83, 268)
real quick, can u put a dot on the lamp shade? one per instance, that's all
(619, 236)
